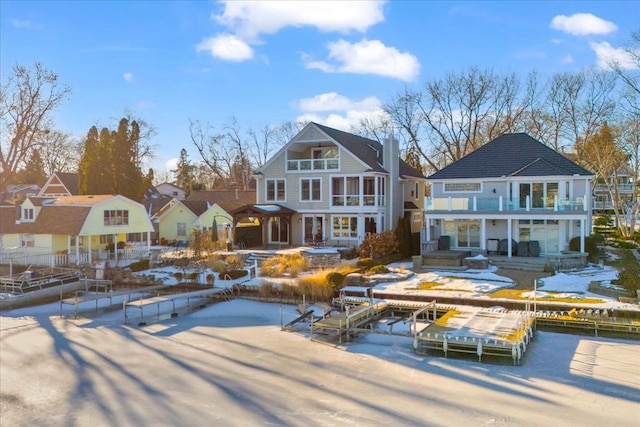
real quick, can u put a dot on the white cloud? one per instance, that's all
(567, 59)
(171, 164)
(128, 77)
(607, 55)
(368, 57)
(332, 101)
(339, 111)
(249, 19)
(227, 47)
(581, 24)
(19, 23)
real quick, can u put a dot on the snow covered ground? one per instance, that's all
(478, 283)
(230, 365)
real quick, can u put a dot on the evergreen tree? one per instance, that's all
(33, 172)
(403, 234)
(108, 164)
(103, 168)
(184, 172)
(86, 176)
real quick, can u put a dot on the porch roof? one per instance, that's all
(262, 211)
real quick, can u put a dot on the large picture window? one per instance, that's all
(345, 227)
(345, 191)
(116, 217)
(276, 190)
(310, 190)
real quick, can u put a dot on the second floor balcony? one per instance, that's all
(501, 204)
(623, 188)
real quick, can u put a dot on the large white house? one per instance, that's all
(333, 186)
(513, 189)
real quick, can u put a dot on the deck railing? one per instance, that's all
(500, 204)
(41, 257)
(312, 165)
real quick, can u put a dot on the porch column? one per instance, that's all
(483, 234)
(77, 250)
(427, 230)
(265, 224)
(582, 230)
(90, 254)
(115, 248)
(148, 241)
(509, 249)
(68, 246)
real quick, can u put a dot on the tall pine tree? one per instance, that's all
(108, 165)
(33, 172)
(184, 172)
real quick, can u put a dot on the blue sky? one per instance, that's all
(269, 62)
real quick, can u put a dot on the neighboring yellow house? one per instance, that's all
(76, 226)
(177, 219)
(205, 220)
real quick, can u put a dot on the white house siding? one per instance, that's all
(553, 228)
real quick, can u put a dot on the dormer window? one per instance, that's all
(27, 214)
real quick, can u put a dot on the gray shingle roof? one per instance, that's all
(512, 154)
(70, 180)
(367, 150)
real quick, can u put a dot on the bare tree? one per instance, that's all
(630, 145)
(60, 152)
(161, 176)
(630, 71)
(209, 145)
(457, 114)
(233, 154)
(602, 154)
(26, 102)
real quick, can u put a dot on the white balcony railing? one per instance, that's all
(499, 204)
(312, 165)
(623, 188)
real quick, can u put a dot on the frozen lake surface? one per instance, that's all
(229, 364)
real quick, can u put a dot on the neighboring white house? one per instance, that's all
(171, 190)
(514, 188)
(334, 186)
(623, 187)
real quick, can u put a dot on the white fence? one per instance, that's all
(40, 256)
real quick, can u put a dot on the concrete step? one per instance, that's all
(515, 265)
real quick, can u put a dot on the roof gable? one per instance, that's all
(367, 151)
(65, 183)
(512, 154)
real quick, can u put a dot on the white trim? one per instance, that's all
(275, 190)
